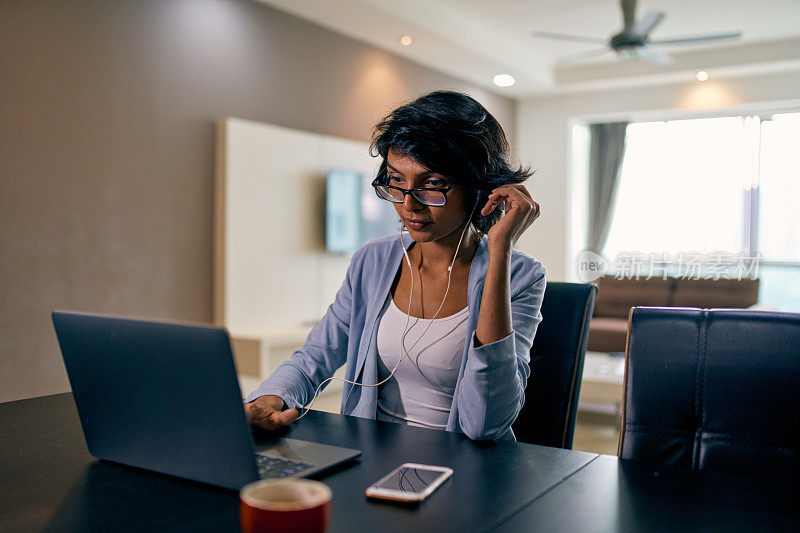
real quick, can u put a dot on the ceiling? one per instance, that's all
(477, 39)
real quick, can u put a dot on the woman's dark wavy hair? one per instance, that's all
(452, 134)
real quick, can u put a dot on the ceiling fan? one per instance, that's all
(634, 39)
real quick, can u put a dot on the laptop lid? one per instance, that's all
(164, 397)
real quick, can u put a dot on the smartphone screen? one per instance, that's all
(410, 482)
(410, 479)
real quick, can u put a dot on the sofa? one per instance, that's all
(608, 329)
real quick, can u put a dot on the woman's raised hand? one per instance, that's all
(521, 211)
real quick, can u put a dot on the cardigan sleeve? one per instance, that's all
(324, 351)
(492, 391)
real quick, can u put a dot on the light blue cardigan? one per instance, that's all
(490, 388)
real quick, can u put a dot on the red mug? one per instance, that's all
(285, 505)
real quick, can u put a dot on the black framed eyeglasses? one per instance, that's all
(430, 196)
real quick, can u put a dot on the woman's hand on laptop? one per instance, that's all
(266, 412)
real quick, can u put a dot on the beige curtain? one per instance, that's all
(605, 161)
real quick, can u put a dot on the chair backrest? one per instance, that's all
(557, 354)
(713, 390)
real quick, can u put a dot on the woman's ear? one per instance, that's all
(381, 174)
(484, 223)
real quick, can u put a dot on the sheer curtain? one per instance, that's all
(605, 161)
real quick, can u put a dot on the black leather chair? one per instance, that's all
(713, 390)
(557, 354)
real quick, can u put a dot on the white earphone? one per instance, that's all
(403, 350)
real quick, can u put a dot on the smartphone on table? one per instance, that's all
(409, 482)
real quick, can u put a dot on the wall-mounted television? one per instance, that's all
(354, 215)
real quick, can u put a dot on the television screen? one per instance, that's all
(354, 215)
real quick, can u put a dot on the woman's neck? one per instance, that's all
(436, 256)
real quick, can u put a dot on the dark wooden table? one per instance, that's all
(613, 495)
(48, 481)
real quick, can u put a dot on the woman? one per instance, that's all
(434, 328)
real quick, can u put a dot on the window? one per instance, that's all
(681, 187)
(727, 185)
(779, 189)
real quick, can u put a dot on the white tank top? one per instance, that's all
(421, 391)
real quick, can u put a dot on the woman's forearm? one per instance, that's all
(494, 316)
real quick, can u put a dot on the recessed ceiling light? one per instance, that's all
(406, 40)
(702, 75)
(504, 80)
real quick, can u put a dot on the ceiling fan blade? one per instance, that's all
(628, 14)
(654, 56)
(699, 38)
(580, 57)
(566, 37)
(645, 25)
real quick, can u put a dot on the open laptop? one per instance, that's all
(165, 397)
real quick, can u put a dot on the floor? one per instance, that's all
(596, 430)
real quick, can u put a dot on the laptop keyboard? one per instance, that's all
(273, 467)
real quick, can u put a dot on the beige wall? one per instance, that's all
(107, 113)
(544, 138)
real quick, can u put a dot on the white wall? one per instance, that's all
(544, 130)
(276, 272)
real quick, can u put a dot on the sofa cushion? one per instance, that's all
(711, 293)
(615, 297)
(607, 334)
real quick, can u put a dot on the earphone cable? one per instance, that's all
(403, 350)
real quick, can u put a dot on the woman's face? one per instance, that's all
(425, 223)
